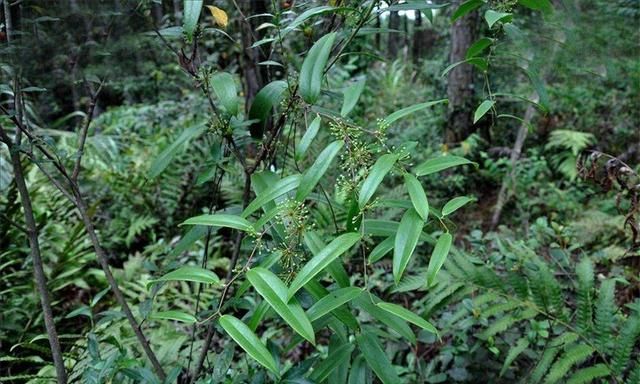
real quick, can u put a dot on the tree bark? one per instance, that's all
(393, 41)
(254, 76)
(460, 84)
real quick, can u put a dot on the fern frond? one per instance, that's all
(584, 314)
(634, 375)
(513, 353)
(550, 353)
(625, 344)
(506, 322)
(604, 319)
(589, 374)
(545, 289)
(573, 355)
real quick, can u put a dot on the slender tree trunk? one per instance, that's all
(393, 41)
(156, 11)
(377, 39)
(460, 84)
(34, 247)
(8, 21)
(254, 76)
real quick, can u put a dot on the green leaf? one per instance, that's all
(225, 89)
(407, 315)
(194, 274)
(538, 5)
(221, 220)
(335, 268)
(335, 358)
(482, 109)
(513, 353)
(312, 69)
(351, 96)
(304, 16)
(405, 243)
(164, 158)
(273, 290)
(313, 175)
(267, 98)
(278, 189)
(476, 48)
(320, 261)
(248, 341)
(418, 197)
(191, 14)
(441, 163)
(307, 138)
(366, 302)
(455, 204)
(359, 372)
(439, 255)
(175, 316)
(378, 171)
(493, 17)
(409, 110)
(381, 249)
(332, 301)
(479, 62)
(377, 359)
(465, 8)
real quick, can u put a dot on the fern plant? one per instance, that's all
(590, 338)
(565, 146)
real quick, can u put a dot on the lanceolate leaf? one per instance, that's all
(263, 103)
(313, 68)
(407, 315)
(439, 255)
(539, 5)
(409, 110)
(351, 96)
(192, 9)
(417, 195)
(382, 249)
(405, 243)
(359, 372)
(332, 301)
(304, 16)
(455, 204)
(248, 341)
(379, 170)
(221, 220)
(225, 89)
(377, 359)
(476, 48)
(165, 157)
(195, 274)
(335, 358)
(364, 301)
(335, 268)
(174, 315)
(482, 110)
(321, 260)
(273, 290)
(307, 138)
(439, 164)
(493, 17)
(465, 8)
(278, 189)
(312, 176)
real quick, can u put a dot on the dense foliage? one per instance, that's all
(307, 192)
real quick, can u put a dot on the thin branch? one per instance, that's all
(82, 136)
(38, 267)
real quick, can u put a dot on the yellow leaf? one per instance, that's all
(219, 16)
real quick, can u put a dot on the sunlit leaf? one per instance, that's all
(441, 163)
(219, 16)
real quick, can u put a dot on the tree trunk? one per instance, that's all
(393, 42)
(460, 84)
(254, 75)
(156, 11)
